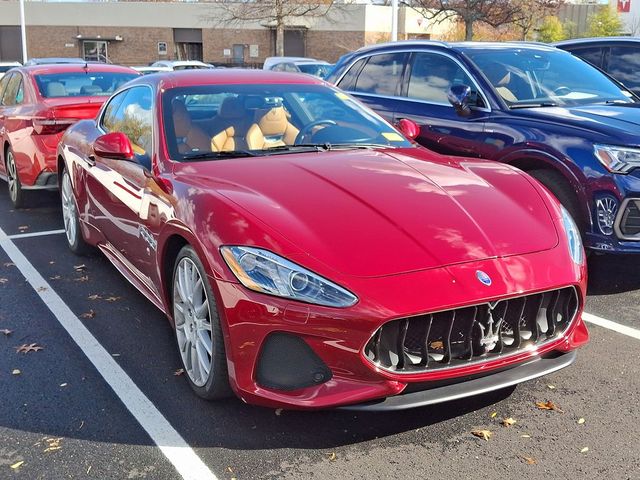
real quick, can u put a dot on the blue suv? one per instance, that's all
(530, 105)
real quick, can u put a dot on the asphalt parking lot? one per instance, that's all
(127, 415)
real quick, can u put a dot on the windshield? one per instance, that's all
(536, 78)
(81, 84)
(246, 120)
(317, 69)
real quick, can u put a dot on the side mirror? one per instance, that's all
(114, 145)
(409, 128)
(459, 96)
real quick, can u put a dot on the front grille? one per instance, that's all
(455, 338)
(630, 222)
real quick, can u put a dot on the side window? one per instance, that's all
(624, 66)
(134, 118)
(348, 82)
(109, 118)
(12, 94)
(432, 75)
(593, 55)
(382, 74)
(3, 84)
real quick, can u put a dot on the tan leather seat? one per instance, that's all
(191, 138)
(271, 130)
(500, 77)
(229, 126)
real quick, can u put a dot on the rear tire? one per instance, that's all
(72, 228)
(16, 193)
(562, 190)
(198, 332)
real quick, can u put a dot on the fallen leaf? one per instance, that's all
(548, 405)
(507, 422)
(6, 331)
(525, 435)
(53, 444)
(15, 371)
(551, 387)
(89, 314)
(331, 456)
(4, 280)
(178, 372)
(494, 415)
(584, 450)
(529, 460)
(484, 434)
(26, 348)
(55, 277)
(278, 411)
(23, 227)
(95, 296)
(437, 345)
(79, 268)
(84, 278)
(9, 264)
(17, 464)
(580, 421)
(112, 299)
(52, 262)
(42, 289)
(63, 384)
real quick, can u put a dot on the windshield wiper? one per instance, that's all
(218, 155)
(367, 146)
(533, 105)
(300, 147)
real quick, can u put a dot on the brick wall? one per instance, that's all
(330, 46)
(215, 40)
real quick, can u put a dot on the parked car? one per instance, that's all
(147, 70)
(6, 66)
(54, 61)
(532, 106)
(310, 256)
(37, 104)
(182, 64)
(618, 56)
(311, 66)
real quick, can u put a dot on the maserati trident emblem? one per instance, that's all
(489, 335)
(483, 277)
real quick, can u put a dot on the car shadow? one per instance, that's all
(611, 274)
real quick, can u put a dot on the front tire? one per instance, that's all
(71, 218)
(16, 193)
(559, 186)
(198, 331)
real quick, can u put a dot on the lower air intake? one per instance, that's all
(457, 337)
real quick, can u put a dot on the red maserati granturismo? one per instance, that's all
(310, 256)
(37, 104)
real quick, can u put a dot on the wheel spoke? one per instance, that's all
(205, 341)
(201, 310)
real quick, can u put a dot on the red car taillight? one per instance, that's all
(49, 126)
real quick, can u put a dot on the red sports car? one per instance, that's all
(37, 104)
(310, 256)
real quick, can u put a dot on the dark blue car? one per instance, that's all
(533, 106)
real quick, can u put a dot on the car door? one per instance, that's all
(124, 197)
(624, 65)
(376, 81)
(14, 123)
(3, 86)
(427, 80)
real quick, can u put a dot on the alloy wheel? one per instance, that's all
(193, 321)
(69, 212)
(12, 177)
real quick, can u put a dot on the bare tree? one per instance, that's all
(493, 12)
(533, 12)
(276, 13)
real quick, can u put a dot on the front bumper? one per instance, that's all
(337, 337)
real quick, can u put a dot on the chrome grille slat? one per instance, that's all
(461, 336)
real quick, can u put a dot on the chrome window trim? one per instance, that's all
(618, 222)
(486, 109)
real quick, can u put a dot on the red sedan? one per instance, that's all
(37, 104)
(310, 256)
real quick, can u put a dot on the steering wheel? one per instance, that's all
(562, 90)
(307, 129)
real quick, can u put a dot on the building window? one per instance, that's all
(95, 51)
(162, 48)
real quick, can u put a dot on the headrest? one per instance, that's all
(232, 108)
(274, 122)
(90, 89)
(56, 89)
(181, 119)
(497, 74)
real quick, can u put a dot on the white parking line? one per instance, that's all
(616, 327)
(35, 234)
(172, 445)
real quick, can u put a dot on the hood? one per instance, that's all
(623, 118)
(373, 213)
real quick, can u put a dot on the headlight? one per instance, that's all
(617, 159)
(573, 237)
(266, 272)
